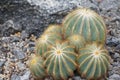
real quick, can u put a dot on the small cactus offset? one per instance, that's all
(87, 23)
(60, 61)
(45, 41)
(36, 67)
(93, 61)
(77, 41)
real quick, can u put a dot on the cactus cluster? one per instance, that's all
(75, 45)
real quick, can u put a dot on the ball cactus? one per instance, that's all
(36, 67)
(45, 41)
(87, 23)
(77, 41)
(93, 61)
(60, 61)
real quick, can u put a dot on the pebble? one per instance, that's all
(24, 35)
(117, 47)
(111, 43)
(15, 77)
(19, 54)
(114, 77)
(25, 76)
(21, 65)
(116, 55)
(15, 39)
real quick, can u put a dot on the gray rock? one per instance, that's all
(19, 54)
(60, 5)
(15, 39)
(26, 76)
(34, 16)
(109, 4)
(15, 77)
(7, 28)
(112, 41)
(115, 77)
(117, 47)
(24, 35)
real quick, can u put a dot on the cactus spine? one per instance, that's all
(93, 61)
(87, 23)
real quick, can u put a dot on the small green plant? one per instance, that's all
(37, 67)
(77, 44)
(60, 61)
(93, 61)
(87, 23)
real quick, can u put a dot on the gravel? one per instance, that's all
(15, 77)
(1, 63)
(114, 77)
(18, 54)
(21, 22)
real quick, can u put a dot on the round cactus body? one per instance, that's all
(87, 23)
(53, 29)
(60, 61)
(45, 41)
(93, 61)
(36, 67)
(77, 41)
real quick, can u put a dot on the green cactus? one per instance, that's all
(45, 41)
(93, 61)
(36, 67)
(77, 41)
(60, 61)
(87, 23)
